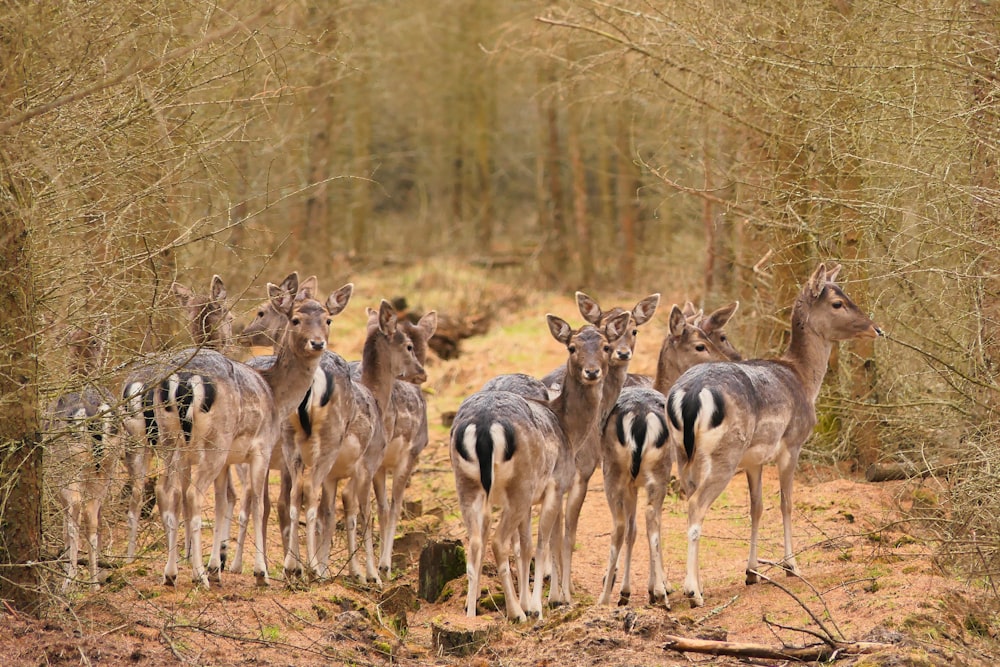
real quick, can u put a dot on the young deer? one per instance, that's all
(86, 446)
(587, 452)
(266, 330)
(513, 452)
(212, 413)
(634, 456)
(338, 433)
(406, 431)
(210, 324)
(727, 415)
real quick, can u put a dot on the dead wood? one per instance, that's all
(824, 652)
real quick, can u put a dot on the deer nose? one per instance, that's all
(624, 355)
(592, 373)
(318, 344)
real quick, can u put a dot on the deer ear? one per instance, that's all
(308, 288)
(339, 299)
(560, 329)
(719, 318)
(289, 284)
(677, 321)
(429, 323)
(645, 309)
(386, 318)
(616, 327)
(689, 310)
(218, 289)
(817, 282)
(831, 275)
(282, 299)
(588, 308)
(182, 293)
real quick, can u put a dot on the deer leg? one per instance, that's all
(616, 504)
(219, 533)
(631, 529)
(574, 504)
(502, 537)
(327, 522)
(786, 476)
(477, 524)
(71, 532)
(655, 493)
(258, 494)
(523, 565)
(242, 519)
(168, 498)
(383, 509)
(362, 486)
(698, 503)
(549, 523)
(137, 461)
(91, 521)
(756, 511)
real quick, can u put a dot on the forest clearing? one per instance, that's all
(482, 165)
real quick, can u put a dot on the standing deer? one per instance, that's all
(634, 456)
(212, 413)
(727, 415)
(406, 432)
(86, 446)
(210, 323)
(514, 452)
(587, 451)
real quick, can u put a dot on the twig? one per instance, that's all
(830, 639)
(717, 610)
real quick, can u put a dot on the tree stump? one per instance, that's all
(440, 562)
(446, 639)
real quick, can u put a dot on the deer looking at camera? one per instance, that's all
(727, 415)
(514, 452)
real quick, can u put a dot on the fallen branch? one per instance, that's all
(824, 652)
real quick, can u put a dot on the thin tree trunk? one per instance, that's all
(628, 205)
(581, 218)
(20, 448)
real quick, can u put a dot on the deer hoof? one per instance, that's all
(624, 598)
(261, 579)
(170, 580)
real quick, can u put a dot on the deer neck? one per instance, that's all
(289, 377)
(808, 355)
(612, 387)
(667, 371)
(578, 409)
(376, 373)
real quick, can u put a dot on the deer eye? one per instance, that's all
(838, 304)
(296, 321)
(260, 313)
(607, 348)
(572, 349)
(409, 348)
(635, 332)
(723, 338)
(700, 347)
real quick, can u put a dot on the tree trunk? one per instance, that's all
(20, 448)
(581, 218)
(628, 204)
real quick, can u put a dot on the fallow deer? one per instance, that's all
(210, 324)
(87, 446)
(514, 452)
(634, 456)
(406, 431)
(212, 413)
(726, 415)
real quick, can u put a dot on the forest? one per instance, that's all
(489, 159)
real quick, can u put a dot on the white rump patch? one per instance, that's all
(654, 428)
(318, 387)
(198, 393)
(133, 396)
(627, 421)
(499, 441)
(469, 442)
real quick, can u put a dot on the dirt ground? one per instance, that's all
(868, 574)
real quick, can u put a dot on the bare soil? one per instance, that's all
(868, 574)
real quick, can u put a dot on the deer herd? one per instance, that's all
(516, 444)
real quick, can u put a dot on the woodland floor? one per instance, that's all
(868, 575)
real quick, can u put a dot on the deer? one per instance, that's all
(588, 451)
(212, 413)
(723, 416)
(210, 323)
(514, 452)
(338, 433)
(407, 436)
(634, 455)
(87, 443)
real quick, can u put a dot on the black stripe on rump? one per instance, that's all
(149, 417)
(209, 400)
(185, 398)
(328, 393)
(691, 406)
